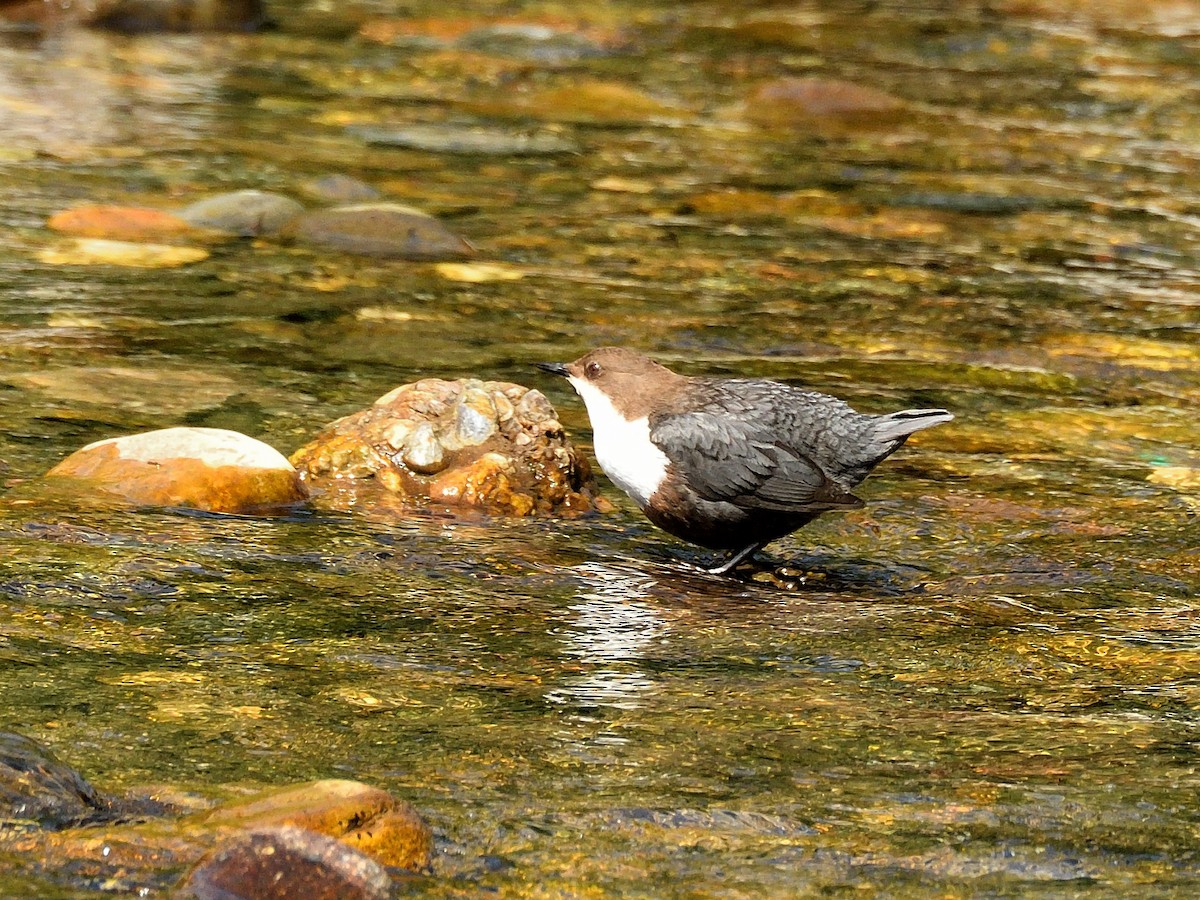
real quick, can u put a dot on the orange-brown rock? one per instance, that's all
(200, 468)
(787, 102)
(372, 820)
(120, 223)
(487, 445)
(368, 820)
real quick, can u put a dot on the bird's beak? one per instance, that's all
(554, 369)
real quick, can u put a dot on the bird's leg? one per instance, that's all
(736, 559)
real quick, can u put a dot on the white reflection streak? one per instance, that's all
(611, 630)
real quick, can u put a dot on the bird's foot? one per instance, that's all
(735, 560)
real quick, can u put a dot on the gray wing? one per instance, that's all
(734, 449)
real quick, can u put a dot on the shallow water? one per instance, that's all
(982, 684)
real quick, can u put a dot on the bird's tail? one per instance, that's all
(897, 426)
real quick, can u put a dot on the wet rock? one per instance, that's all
(592, 102)
(129, 856)
(387, 230)
(36, 788)
(155, 391)
(471, 140)
(487, 445)
(339, 189)
(542, 44)
(369, 819)
(98, 251)
(121, 223)
(199, 468)
(478, 273)
(286, 863)
(795, 101)
(245, 213)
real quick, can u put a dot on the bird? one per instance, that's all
(730, 464)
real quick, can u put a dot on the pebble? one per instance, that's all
(120, 223)
(794, 101)
(339, 189)
(387, 230)
(472, 140)
(246, 213)
(99, 251)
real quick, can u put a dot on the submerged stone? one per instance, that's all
(121, 223)
(199, 468)
(245, 213)
(387, 230)
(367, 818)
(465, 139)
(478, 273)
(286, 863)
(339, 189)
(487, 445)
(540, 43)
(98, 251)
(795, 101)
(38, 789)
(589, 102)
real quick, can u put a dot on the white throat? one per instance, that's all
(623, 447)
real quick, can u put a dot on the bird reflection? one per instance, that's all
(609, 630)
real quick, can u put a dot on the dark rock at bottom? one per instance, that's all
(285, 864)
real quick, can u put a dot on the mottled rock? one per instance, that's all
(339, 189)
(121, 223)
(487, 445)
(286, 864)
(200, 468)
(796, 101)
(372, 820)
(36, 788)
(99, 251)
(245, 213)
(387, 230)
(473, 140)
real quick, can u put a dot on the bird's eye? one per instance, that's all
(592, 370)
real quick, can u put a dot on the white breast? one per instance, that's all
(623, 448)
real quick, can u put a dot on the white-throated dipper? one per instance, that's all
(729, 463)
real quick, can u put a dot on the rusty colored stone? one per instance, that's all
(119, 223)
(198, 468)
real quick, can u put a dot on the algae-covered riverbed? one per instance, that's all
(984, 683)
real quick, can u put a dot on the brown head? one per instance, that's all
(634, 384)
